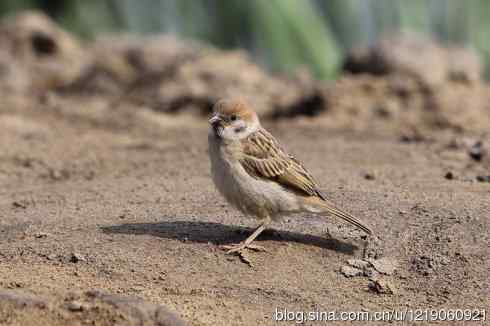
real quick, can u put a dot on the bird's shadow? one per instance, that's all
(220, 234)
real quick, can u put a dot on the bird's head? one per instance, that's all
(233, 119)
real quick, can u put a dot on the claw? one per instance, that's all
(239, 247)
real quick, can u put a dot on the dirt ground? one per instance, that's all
(108, 215)
(91, 206)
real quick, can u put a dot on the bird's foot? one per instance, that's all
(240, 247)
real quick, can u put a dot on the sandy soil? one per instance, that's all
(108, 215)
(129, 208)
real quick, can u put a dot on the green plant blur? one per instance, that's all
(282, 34)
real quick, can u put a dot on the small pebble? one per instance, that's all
(39, 235)
(18, 204)
(75, 306)
(449, 175)
(369, 176)
(476, 151)
(483, 178)
(77, 257)
(51, 256)
(380, 286)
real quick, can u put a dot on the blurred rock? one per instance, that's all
(464, 65)
(94, 308)
(36, 54)
(400, 55)
(120, 61)
(172, 76)
(138, 311)
(200, 83)
(417, 57)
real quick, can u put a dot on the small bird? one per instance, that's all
(256, 175)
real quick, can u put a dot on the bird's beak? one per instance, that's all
(214, 120)
(216, 124)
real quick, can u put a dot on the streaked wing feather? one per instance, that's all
(265, 158)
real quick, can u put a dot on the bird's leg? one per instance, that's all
(247, 244)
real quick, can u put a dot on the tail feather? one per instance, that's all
(329, 208)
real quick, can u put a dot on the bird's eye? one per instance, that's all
(233, 117)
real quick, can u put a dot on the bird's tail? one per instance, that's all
(325, 206)
(347, 217)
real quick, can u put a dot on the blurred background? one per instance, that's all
(282, 35)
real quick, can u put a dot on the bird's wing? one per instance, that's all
(264, 158)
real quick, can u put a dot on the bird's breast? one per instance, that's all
(254, 196)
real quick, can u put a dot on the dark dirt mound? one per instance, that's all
(405, 83)
(392, 88)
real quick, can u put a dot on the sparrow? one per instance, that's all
(257, 175)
